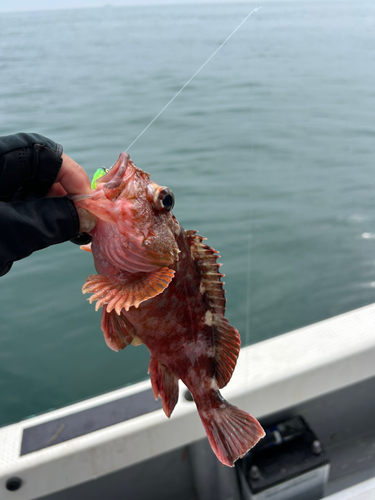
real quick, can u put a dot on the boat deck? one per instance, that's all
(112, 447)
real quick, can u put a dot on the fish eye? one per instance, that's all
(165, 200)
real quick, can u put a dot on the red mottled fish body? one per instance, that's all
(161, 286)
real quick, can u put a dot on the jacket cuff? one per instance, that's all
(34, 224)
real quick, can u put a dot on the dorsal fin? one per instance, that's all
(226, 337)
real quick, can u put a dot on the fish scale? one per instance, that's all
(160, 285)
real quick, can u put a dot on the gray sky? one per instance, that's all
(20, 5)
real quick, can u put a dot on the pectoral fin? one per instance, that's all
(126, 293)
(86, 248)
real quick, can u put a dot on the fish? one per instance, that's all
(160, 285)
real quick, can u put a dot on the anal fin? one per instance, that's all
(118, 331)
(165, 384)
(126, 293)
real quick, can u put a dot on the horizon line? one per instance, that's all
(129, 3)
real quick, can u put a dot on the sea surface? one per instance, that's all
(270, 152)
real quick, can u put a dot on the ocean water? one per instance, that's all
(270, 153)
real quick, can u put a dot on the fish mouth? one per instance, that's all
(114, 177)
(143, 250)
(118, 182)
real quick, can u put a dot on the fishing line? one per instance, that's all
(249, 263)
(248, 289)
(192, 78)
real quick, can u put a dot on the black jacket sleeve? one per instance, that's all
(29, 164)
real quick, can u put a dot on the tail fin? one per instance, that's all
(231, 431)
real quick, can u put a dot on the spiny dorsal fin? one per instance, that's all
(226, 337)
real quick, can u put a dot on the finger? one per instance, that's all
(87, 221)
(56, 190)
(73, 177)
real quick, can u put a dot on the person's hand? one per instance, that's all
(37, 183)
(72, 179)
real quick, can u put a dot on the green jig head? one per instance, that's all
(99, 173)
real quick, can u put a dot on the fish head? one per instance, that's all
(141, 211)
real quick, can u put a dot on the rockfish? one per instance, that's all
(160, 285)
